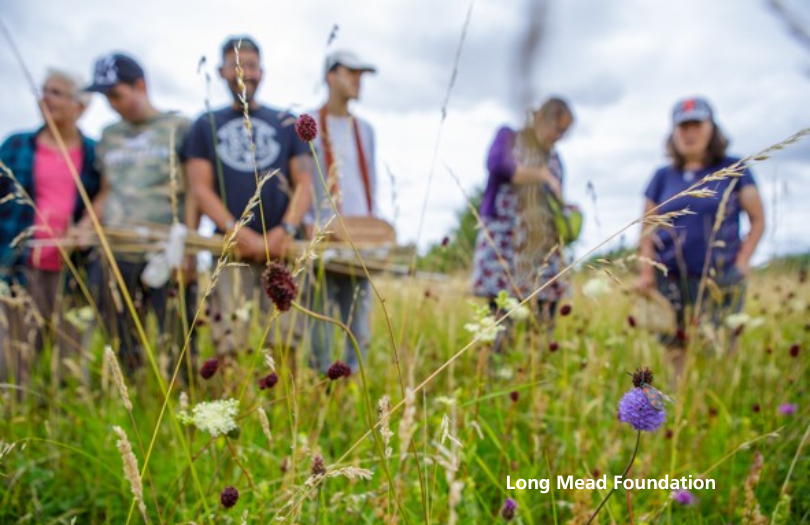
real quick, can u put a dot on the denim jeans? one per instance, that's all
(340, 297)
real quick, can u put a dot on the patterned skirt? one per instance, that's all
(515, 251)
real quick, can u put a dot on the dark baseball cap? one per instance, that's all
(691, 109)
(247, 44)
(113, 69)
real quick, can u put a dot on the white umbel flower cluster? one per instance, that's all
(596, 287)
(213, 417)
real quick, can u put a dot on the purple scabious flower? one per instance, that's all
(788, 409)
(509, 509)
(684, 497)
(635, 409)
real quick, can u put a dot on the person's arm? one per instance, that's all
(503, 167)
(98, 203)
(300, 167)
(646, 249)
(200, 173)
(537, 175)
(751, 204)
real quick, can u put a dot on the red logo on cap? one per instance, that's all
(689, 105)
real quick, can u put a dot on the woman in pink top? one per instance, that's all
(33, 269)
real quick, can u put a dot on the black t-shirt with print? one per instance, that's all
(276, 143)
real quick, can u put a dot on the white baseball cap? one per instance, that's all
(348, 59)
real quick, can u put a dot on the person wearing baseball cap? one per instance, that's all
(345, 147)
(135, 159)
(705, 242)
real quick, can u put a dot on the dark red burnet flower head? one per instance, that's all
(553, 346)
(268, 381)
(337, 370)
(306, 127)
(514, 395)
(318, 466)
(279, 285)
(228, 497)
(794, 350)
(631, 321)
(565, 310)
(209, 368)
(641, 376)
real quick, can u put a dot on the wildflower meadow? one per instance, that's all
(430, 430)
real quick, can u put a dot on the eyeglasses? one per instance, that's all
(54, 93)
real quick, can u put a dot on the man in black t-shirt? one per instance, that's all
(223, 174)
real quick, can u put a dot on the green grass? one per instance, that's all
(65, 463)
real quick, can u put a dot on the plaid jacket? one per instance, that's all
(17, 153)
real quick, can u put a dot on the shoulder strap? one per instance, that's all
(329, 156)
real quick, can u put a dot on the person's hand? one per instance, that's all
(249, 245)
(189, 268)
(82, 233)
(278, 242)
(646, 281)
(743, 266)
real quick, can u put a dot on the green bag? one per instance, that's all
(568, 218)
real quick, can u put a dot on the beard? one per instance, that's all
(250, 91)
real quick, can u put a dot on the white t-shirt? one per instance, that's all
(346, 166)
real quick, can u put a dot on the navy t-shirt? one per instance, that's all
(276, 143)
(691, 233)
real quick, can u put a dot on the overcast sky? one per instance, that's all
(622, 64)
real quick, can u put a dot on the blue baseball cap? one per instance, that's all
(113, 69)
(690, 110)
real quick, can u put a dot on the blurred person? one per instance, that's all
(692, 249)
(41, 169)
(347, 156)
(518, 247)
(219, 160)
(135, 160)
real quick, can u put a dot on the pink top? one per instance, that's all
(55, 197)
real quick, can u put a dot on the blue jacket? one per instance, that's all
(17, 153)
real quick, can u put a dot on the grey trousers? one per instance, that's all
(348, 299)
(239, 298)
(28, 322)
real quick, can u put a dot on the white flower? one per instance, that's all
(445, 400)
(505, 373)
(485, 328)
(596, 287)
(80, 318)
(243, 314)
(734, 321)
(214, 417)
(506, 303)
